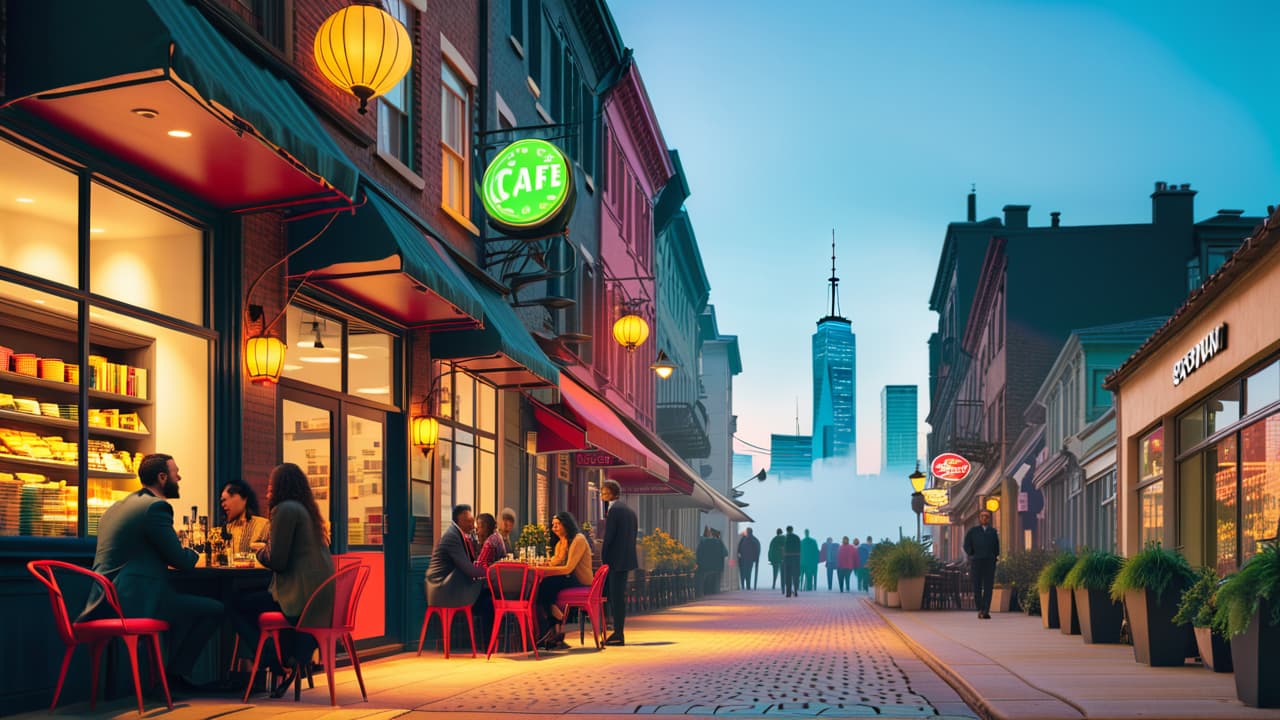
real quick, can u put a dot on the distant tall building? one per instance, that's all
(742, 467)
(898, 428)
(834, 379)
(790, 457)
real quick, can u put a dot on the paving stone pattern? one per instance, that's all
(737, 654)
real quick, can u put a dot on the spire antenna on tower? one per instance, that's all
(834, 280)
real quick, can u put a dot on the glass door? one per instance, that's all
(365, 451)
(307, 423)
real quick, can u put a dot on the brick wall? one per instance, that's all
(264, 244)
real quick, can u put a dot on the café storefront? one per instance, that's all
(1198, 418)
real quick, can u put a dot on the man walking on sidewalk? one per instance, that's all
(775, 559)
(982, 545)
(790, 563)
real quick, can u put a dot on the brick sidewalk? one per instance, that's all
(743, 654)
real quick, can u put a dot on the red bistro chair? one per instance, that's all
(346, 586)
(97, 633)
(589, 600)
(514, 587)
(446, 615)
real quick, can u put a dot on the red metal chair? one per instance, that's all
(97, 633)
(590, 600)
(346, 586)
(514, 586)
(446, 615)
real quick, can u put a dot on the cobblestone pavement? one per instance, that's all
(743, 654)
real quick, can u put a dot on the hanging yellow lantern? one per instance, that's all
(363, 50)
(993, 504)
(425, 430)
(630, 331)
(264, 358)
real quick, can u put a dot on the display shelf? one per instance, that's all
(129, 399)
(68, 388)
(94, 430)
(308, 435)
(55, 465)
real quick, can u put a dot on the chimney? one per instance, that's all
(1055, 219)
(1015, 216)
(973, 206)
(1173, 205)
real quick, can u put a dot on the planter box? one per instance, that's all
(1215, 650)
(911, 592)
(1255, 653)
(1068, 618)
(1001, 599)
(1100, 616)
(880, 596)
(1156, 640)
(892, 599)
(1049, 609)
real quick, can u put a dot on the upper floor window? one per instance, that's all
(395, 116)
(1152, 455)
(455, 111)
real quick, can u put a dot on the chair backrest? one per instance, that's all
(343, 588)
(44, 571)
(597, 584)
(511, 582)
(341, 561)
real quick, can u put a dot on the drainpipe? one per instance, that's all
(482, 109)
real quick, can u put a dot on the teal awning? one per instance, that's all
(380, 258)
(88, 67)
(502, 351)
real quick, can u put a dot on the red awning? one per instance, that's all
(607, 432)
(556, 433)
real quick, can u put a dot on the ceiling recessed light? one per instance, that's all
(97, 230)
(24, 200)
(305, 343)
(147, 113)
(39, 302)
(320, 360)
(357, 356)
(180, 133)
(291, 367)
(373, 390)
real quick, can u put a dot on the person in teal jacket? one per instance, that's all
(809, 561)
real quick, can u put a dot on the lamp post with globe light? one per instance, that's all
(918, 480)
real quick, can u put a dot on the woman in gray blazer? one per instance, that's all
(298, 552)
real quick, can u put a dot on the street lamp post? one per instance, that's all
(918, 480)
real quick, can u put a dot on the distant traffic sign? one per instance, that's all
(950, 467)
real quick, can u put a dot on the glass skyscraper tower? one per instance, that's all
(834, 379)
(898, 428)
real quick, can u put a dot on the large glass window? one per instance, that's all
(1221, 461)
(1263, 387)
(1259, 484)
(1100, 511)
(315, 354)
(38, 209)
(468, 439)
(1151, 511)
(1152, 455)
(455, 125)
(1223, 409)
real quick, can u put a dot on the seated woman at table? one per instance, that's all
(492, 549)
(298, 553)
(248, 529)
(569, 567)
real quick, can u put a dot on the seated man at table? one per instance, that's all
(453, 577)
(136, 545)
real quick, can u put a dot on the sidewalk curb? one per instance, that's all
(979, 704)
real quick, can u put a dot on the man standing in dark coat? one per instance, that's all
(982, 545)
(748, 556)
(618, 551)
(710, 556)
(136, 546)
(790, 563)
(775, 559)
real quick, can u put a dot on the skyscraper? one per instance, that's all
(834, 379)
(790, 457)
(898, 428)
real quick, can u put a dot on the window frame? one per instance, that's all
(462, 94)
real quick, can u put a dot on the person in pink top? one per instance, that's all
(846, 562)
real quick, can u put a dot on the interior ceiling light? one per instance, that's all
(180, 133)
(147, 113)
(320, 360)
(357, 356)
(24, 200)
(97, 230)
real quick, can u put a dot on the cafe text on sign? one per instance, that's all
(528, 189)
(950, 467)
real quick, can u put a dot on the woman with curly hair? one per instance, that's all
(570, 567)
(298, 553)
(248, 529)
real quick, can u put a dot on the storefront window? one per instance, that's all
(1259, 484)
(314, 354)
(1153, 455)
(1223, 409)
(1151, 509)
(1192, 511)
(1221, 461)
(370, 364)
(1191, 428)
(1100, 511)
(38, 217)
(308, 443)
(125, 240)
(1263, 387)
(468, 450)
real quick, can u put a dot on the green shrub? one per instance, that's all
(1018, 571)
(877, 565)
(1155, 569)
(1094, 570)
(1056, 571)
(1240, 593)
(1198, 603)
(908, 559)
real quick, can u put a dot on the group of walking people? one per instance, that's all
(795, 560)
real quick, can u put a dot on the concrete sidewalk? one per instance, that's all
(1011, 667)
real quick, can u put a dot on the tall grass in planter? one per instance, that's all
(1151, 584)
(1090, 583)
(908, 563)
(1249, 615)
(1051, 576)
(1196, 609)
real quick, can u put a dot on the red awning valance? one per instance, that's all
(556, 433)
(607, 432)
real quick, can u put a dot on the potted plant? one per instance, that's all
(534, 536)
(1090, 583)
(1001, 589)
(1249, 615)
(908, 563)
(1050, 578)
(877, 567)
(1196, 609)
(1151, 584)
(1022, 569)
(1068, 616)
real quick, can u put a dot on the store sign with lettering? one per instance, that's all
(1201, 353)
(936, 497)
(595, 459)
(937, 519)
(950, 467)
(528, 189)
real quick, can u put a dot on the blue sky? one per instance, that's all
(873, 118)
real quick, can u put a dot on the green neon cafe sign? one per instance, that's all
(528, 188)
